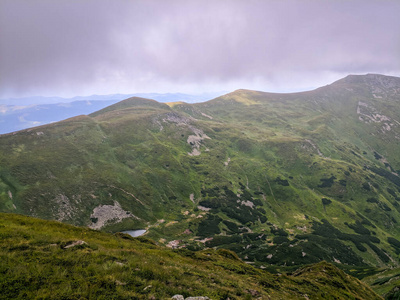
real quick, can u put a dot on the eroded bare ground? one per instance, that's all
(195, 140)
(104, 214)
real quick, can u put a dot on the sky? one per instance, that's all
(82, 47)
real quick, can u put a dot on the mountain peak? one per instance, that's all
(371, 79)
(129, 103)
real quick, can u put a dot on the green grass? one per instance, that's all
(36, 264)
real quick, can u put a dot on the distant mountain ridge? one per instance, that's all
(281, 179)
(21, 113)
(162, 97)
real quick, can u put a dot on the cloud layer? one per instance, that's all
(76, 47)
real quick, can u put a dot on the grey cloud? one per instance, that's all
(132, 46)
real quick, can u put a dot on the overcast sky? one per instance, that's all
(83, 47)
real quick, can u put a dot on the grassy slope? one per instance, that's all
(282, 154)
(36, 264)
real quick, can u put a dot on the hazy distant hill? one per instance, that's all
(281, 179)
(14, 118)
(21, 113)
(166, 97)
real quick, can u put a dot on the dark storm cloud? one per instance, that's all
(90, 46)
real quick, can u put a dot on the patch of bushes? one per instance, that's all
(255, 236)
(377, 156)
(209, 226)
(382, 255)
(233, 227)
(327, 182)
(384, 207)
(280, 240)
(246, 195)
(326, 201)
(278, 231)
(257, 202)
(261, 210)
(282, 182)
(210, 203)
(394, 242)
(263, 219)
(210, 193)
(230, 196)
(388, 175)
(358, 228)
(374, 239)
(366, 186)
(326, 230)
(360, 247)
(311, 248)
(243, 214)
(219, 240)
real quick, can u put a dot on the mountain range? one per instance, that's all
(283, 180)
(21, 113)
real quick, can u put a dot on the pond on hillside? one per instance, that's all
(135, 233)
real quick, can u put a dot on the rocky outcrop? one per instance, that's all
(180, 297)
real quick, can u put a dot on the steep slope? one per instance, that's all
(44, 259)
(281, 179)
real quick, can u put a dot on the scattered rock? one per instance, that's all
(254, 293)
(117, 282)
(174, 244)
(227, 162)
(205, 240)
(195, 152)
(207, 116)
(74, 244)
(248, 204)
(336, 261)
(203, 208)
(66, 209)
(316, 148)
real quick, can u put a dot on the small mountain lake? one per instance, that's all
(135, 233)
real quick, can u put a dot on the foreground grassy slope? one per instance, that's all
(281, 179)
(38, 261)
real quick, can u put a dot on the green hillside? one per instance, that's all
(50, 260)
(283, 180)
